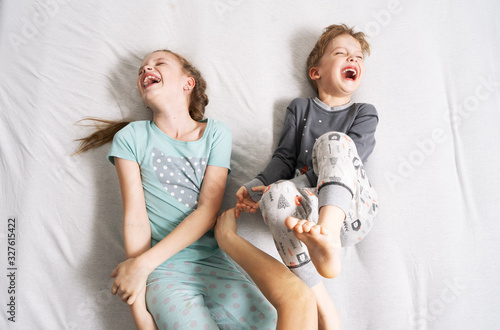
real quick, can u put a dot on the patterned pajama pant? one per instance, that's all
(335, 162)
(206, 294)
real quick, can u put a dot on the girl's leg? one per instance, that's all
(282, 200)
(174, 304)
(328, 316)
(294, 301)
(234, 301)
(206, 294)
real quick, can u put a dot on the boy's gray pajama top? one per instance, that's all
(321, 153)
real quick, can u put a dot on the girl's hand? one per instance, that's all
(130, 279)
(245, 203)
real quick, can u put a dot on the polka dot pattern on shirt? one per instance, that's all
(180, 176)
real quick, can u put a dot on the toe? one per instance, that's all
(291, 222)
(316, 230)
(298, 228)
(307, 226)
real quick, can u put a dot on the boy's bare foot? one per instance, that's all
(323, 247)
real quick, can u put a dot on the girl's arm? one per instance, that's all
(142, 318)
(132, 273)
(136, 229)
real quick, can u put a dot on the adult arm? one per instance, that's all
(294, 301)
(132, 273)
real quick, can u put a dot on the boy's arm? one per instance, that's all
(249, 192)
(362, 131)
(283, 162)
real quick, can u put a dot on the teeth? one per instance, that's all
(147, 81)
(351, 70)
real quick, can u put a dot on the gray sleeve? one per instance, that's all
(362, 131)
(282, 164)
(255, 195)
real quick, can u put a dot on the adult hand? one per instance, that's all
(130, 279)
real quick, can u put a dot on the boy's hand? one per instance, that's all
(245, 203)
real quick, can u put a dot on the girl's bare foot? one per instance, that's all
(323, 247)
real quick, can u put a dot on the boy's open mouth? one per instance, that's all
(350, 73)
(150, 79)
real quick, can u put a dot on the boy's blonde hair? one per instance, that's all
(330, 33)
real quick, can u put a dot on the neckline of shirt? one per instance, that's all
(163, 134)
(328, 108)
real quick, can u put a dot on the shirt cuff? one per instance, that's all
(255, 195)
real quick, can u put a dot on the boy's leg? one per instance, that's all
(322, 239)
(338, 166)
(347, 203)
(282, 200)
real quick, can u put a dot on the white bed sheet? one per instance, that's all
(431, 260)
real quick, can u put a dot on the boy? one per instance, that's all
(327, 201)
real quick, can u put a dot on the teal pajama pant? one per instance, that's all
(335, 162)
(206, 294)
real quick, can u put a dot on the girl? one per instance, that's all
(172, 173)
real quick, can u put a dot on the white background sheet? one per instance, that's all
(431, 260)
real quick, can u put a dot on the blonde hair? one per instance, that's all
(198, 99)
(330, 33)
(106, 129)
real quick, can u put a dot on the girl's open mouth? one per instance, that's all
(150, 79)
